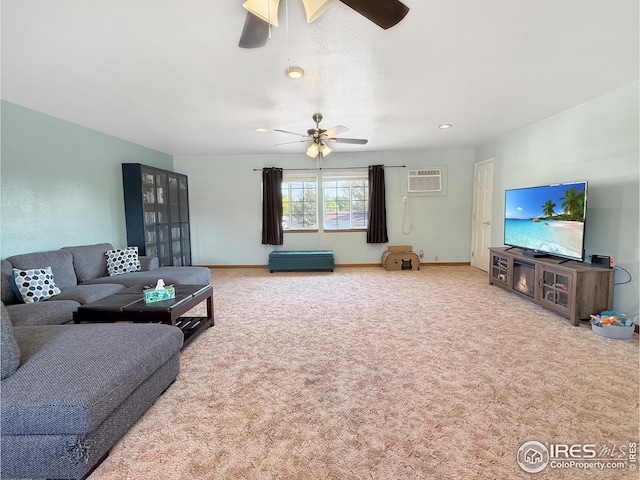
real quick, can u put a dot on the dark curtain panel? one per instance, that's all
(377, 224)
(272, 233)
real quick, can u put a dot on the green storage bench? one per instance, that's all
(290, 261)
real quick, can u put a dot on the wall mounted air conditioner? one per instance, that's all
(424, 181)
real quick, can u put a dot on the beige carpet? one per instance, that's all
(369, 374)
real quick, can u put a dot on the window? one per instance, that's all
(343, 206)
(345, 201)
(299, 202)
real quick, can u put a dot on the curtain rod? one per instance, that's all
(332, 168)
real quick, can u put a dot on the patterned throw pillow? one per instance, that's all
(122, 261)
(34, 285)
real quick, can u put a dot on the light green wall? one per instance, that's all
(61, 185)
(226, 216)
(598, 142)
(61, 182)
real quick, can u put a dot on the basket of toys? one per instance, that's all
(612, 324)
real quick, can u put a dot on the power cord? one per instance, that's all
(625, 271)
(407, 215)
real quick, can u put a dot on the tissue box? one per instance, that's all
(153, 295)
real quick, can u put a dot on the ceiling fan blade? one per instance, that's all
(337, 130)
(287, 143)
(384, 13)
(290, 133)
(255, 32)
(358, 141)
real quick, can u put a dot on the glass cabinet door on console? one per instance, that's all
(555, 288)
(157, 213)
(499, 268)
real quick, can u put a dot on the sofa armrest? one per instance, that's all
(148, 263)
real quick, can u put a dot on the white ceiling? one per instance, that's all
(169, 74)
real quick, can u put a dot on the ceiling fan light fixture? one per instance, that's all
(315, 8)
(312, 151)
(325, 150)
(266, 10)
(295, 72)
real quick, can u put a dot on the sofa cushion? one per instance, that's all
(9, 350)
(34, 284)
(82, 374)
(121, 261)
(49, 312)
(148, 262)
(170, 275)
(60, 261)
(87, 293)
(8, 294)
(89, 261)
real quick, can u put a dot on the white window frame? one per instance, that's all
(287, 210)
(350, 177)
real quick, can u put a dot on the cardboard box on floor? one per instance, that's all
(400, 257)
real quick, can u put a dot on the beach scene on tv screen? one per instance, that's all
(548, 219)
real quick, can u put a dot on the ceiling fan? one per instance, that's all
(263, 13)
(319, 138)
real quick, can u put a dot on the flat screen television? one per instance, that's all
(547, 219)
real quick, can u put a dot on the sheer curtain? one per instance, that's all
(272, 232)
(377, 220)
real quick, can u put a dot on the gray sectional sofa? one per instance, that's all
(69, 392)
(81, 274)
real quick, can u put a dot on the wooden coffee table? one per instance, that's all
(128, 306)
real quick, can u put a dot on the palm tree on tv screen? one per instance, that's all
(547, 208)
(573, 204)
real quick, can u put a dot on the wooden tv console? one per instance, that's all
(572, 289)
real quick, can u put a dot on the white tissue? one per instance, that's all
(160, 284)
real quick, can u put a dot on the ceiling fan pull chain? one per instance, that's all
(269, 16)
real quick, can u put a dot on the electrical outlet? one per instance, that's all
(404, 199)
(421, 254)
(436, 258)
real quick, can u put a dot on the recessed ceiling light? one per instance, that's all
(295, 72)
(444, 126)
(261, 129)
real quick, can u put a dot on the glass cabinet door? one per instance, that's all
(164, 252)
(499, 268)
(555, 288)
(176, 244)
(162, 209)
(186, 245)
(148, 196)
(174, 200)
(184, 200)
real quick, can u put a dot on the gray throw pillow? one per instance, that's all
(9, 349)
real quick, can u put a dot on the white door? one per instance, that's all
(482, 204)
